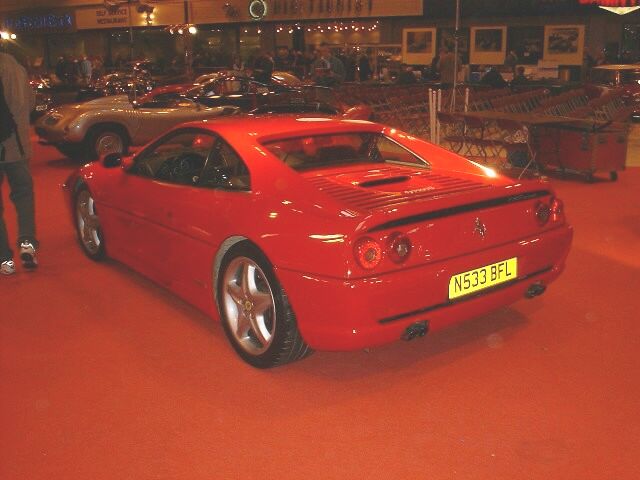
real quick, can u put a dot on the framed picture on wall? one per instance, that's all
(564, 44)
(527, 42)
(488, 45)
(418, 45)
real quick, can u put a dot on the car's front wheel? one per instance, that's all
(88, 225)
(255, 311)
(101, 141)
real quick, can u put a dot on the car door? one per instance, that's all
(203, 217)
(146, 199)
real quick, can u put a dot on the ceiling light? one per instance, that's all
(620, 10)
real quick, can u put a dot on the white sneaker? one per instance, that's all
(7, 267)
(28, 255)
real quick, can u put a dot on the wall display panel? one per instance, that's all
(564, 44)
(488, 45)
(418, 45)
(527, 43)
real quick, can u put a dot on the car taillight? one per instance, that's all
(543, 213)
(553, 211)
(368, 253)
(557, 209)
(398, 247)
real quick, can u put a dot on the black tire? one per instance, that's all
(287, 345)
(613, 175)
(97, 252)
(98, 133)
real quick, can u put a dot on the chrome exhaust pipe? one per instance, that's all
(417, 329)
(535, 290)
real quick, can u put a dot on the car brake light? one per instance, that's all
(399, 247)
(368, 253)
(543, 213)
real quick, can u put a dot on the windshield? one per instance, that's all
(319, 151)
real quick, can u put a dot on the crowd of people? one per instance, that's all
(320, 65)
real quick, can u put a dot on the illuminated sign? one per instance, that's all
(258, 9)
(49, 22)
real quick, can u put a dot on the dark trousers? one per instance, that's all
(21, 195)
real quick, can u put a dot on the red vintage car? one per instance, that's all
(305, 233)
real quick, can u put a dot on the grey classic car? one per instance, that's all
(112, 124)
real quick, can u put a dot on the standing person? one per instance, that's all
(512, 59)
(263, 68)
(86, 69)
(59, 69)
(364, 68)
(520, 78)
(328, 70)
(17, 100)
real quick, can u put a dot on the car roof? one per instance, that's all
(617, 67)
(243, 128)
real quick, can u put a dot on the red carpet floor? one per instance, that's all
(103, 375)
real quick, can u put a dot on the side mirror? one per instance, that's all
(112, 160)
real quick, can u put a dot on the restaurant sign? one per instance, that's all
(90, 18)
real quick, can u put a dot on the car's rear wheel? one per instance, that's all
(254, 309)
(88, 225)
(102, 141)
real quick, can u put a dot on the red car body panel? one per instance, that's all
(164, 90)
(176, 235)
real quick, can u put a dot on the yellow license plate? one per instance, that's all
(484, 277)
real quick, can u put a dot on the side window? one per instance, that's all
(225, 169)
(178, 158)
(390, 151)
(212, 88)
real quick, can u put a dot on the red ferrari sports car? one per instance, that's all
(304, 233)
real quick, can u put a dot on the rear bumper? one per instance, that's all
(336, 314)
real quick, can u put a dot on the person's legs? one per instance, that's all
(5, 250)
(22, 197)
(7, 267)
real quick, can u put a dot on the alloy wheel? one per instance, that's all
(249, 305)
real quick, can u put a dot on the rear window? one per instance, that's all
(319, 151)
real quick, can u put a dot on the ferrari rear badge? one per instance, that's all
(480, 228)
